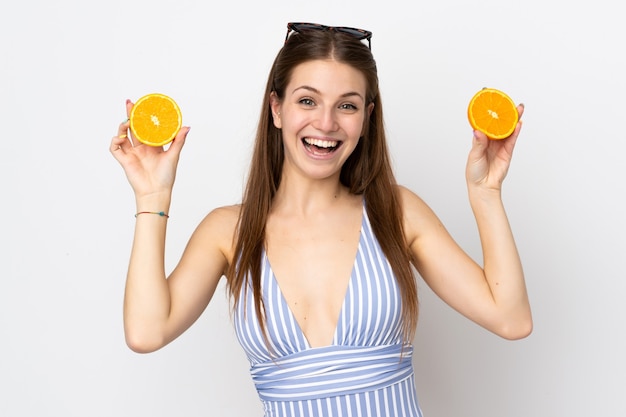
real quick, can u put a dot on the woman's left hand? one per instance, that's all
(488, 161)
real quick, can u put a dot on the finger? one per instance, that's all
(480, 143)
(129, 107)
(518, 127)
(513, 138)
(119, 145)
(125, 125)
(520, 109)
(122, 135)
(179, 140)
(509, 142)
(132, 141)
(122, 130)
(480, 138)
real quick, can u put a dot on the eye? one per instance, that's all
(307, 101)
(348, 106)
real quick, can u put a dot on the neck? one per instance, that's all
(306, 195)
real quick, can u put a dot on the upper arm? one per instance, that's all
(204, 261)
(452, 274)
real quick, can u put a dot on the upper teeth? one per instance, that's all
(321, 143)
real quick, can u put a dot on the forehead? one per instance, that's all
(328, 76)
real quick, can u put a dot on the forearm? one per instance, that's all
(147, 295)
(501, 262)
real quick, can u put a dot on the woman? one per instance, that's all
(318, 255)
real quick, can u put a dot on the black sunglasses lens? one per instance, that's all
(305, 26)
(359, 34)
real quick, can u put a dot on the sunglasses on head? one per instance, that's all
(359, 34)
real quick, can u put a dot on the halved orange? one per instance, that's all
(493, 112)
(155, 119)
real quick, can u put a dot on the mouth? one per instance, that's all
(320, 146)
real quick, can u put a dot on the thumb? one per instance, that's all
(480, 138)
(480, 142)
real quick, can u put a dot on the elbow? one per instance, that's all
(139, 347)
(517, 329)
(141, 342)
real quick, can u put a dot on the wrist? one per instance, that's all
(155, 202)
(483, 191)
(480, 196)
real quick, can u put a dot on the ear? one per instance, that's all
(275, 107)
(370, 108)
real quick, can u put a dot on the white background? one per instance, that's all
(66, 216)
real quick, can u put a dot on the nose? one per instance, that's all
(326, 120)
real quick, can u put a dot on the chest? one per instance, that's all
(366, 312)
(312, 262)
(319, 257)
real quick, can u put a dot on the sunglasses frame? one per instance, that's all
(359, 34)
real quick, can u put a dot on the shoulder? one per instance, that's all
(409, 201)
(227, 214)
(221, 219)
(418, 218)
(217, 230)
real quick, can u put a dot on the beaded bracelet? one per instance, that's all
(160, 213)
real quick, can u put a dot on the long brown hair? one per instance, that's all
(367, 171)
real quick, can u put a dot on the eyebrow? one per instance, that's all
(316, 91)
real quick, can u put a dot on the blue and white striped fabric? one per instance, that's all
(365, 372)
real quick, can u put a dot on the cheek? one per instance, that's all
(360, 128)
(294, 121)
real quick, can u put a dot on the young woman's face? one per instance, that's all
(321, 116)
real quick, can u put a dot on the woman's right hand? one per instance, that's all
(150, 170)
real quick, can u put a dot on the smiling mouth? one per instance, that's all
(321, 147)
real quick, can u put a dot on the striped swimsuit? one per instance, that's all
(365, 372)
